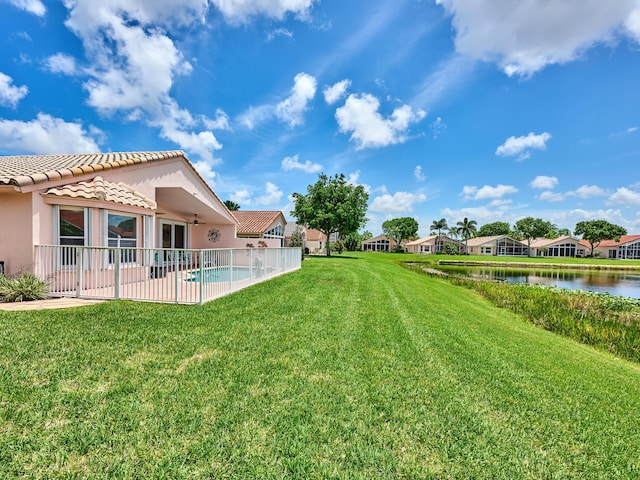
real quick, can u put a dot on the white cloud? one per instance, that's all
(47, 134)
(279, 32)
(368, 128)
(525, 37)
(583, 192)
(292, 163)
(241, 197)
(10, 95)
(61, 63)
(633, 23)
(255, 115)
(240, 11)
(486, 192)
(292, 109)
(272, 195)
(500, 202)
(438, 127)
(335, 92)
(221, 122)
(588, 191)
(544, 182)
(549, 196)
(399, 202)
(354, 179)
(134, 62)
(521, 146)
(419, 174)
(35, 7)
(626, 197)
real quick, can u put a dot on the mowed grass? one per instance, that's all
(348, 368)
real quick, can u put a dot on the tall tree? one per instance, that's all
(231, 205)
(453, 232)
(493, 229)
(529, 228)
(400, 229)
(467, 229)
(595, 231)
(439, 225)
(331, 205)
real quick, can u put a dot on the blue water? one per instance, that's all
(219, 274)
(626, 284)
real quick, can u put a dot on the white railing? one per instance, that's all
(157, 274)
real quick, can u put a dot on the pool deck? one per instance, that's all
(48, 304)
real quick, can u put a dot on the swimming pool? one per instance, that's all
(219, 274)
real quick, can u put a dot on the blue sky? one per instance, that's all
(484, 109)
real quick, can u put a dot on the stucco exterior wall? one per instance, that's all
(17, 223)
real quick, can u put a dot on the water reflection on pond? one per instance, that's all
(614, 282)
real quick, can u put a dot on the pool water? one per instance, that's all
(219, 274)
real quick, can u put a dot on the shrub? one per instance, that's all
(22, 287)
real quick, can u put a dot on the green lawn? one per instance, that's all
(348, 368)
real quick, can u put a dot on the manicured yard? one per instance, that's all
(348, 368)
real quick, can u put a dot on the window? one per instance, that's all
(122, 231)
(71, 229)
(276, 232)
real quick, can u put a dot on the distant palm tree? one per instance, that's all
(231, 205)
(439, 225)
(453, 232)
(468, 229)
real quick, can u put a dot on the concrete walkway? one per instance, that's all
(48, 304)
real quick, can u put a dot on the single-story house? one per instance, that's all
(564, 246)
(131, 199)
(497, 245)
(316, 241)
(627, 248)
(261, 225)
(432, 244)
(381, 243)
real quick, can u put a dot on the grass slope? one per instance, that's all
(349, 368)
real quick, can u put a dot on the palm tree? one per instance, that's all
(468, 229)
(439, 225)
(453, 232)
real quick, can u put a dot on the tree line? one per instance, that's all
(333, 206)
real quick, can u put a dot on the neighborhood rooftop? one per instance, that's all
(255, 221)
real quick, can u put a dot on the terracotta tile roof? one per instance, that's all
(477, 241)
(314, 235)
(99, 189)
(422, 240)
(545, 242)
(23, 170)
(256, 221)
(623, 239)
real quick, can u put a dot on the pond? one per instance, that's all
(615, 282)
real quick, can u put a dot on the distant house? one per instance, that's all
(316, 241)
(628, 248)
(497, 245)
(289, 229)
(433, 244)
(261, 225)
(381, 243)
(564, 246)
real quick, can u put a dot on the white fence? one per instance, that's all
(158, 275)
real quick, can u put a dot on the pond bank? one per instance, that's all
(526, 265)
